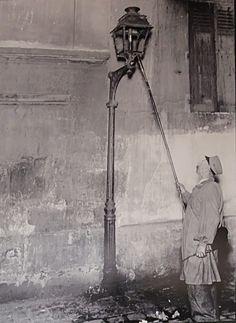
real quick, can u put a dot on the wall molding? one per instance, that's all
(178, 222)
(34, 99)
(51, 55)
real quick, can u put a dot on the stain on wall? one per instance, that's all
(25, 180)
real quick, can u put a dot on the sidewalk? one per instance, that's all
(131, 306)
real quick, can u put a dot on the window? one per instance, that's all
(211, 57)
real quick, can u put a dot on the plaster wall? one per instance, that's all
(55, 23)
(54, 60)
(145, 190)
(148, 193)
(53, 85)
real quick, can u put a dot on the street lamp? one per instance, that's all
(130, 40)
(131, 34)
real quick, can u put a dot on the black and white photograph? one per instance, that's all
(117, 161)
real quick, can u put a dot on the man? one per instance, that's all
(203, 215)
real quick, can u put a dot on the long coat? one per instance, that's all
(203, 214)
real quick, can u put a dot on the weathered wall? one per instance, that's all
(148, 192)
(55, 23)
(146, 195)
(53, 130)
(53, 89)
(52, 172)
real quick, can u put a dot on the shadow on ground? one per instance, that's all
(150, 300)
(153, 300)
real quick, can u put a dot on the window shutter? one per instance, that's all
(201, 17)
(202, 57)
(225, 21)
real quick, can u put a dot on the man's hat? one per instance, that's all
(215, 164)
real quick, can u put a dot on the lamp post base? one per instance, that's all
(110, 282)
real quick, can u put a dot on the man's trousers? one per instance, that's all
(203, 303)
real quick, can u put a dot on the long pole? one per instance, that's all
(158, 120)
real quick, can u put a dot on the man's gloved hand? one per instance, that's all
(181, 187)
(201, 250)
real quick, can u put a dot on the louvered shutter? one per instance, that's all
(202, 57)
(201, 16)
(225, 21)
(225, 57)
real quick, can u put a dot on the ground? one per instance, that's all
(135, 303)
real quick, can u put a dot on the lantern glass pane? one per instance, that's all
(135, 37)
(135, 44)
(118, 42)
(126, 40)
(130, 40)
(141, 45)
(142, 41)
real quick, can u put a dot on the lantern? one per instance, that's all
(131, 34)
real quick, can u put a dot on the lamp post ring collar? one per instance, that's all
(112, 104)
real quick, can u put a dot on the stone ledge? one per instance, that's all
(205, 122)
(34, 99)
(166, 221)
(47, 55)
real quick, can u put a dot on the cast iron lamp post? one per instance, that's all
(130, 39)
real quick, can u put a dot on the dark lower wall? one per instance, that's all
(68, 262)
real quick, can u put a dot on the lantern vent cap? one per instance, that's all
(132, 19)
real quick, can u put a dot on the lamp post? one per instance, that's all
(130, 40)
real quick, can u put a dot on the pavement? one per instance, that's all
(151, 304)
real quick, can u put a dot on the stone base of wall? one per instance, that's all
(68, 263)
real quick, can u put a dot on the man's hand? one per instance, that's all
(201, 250)
(181, 187)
